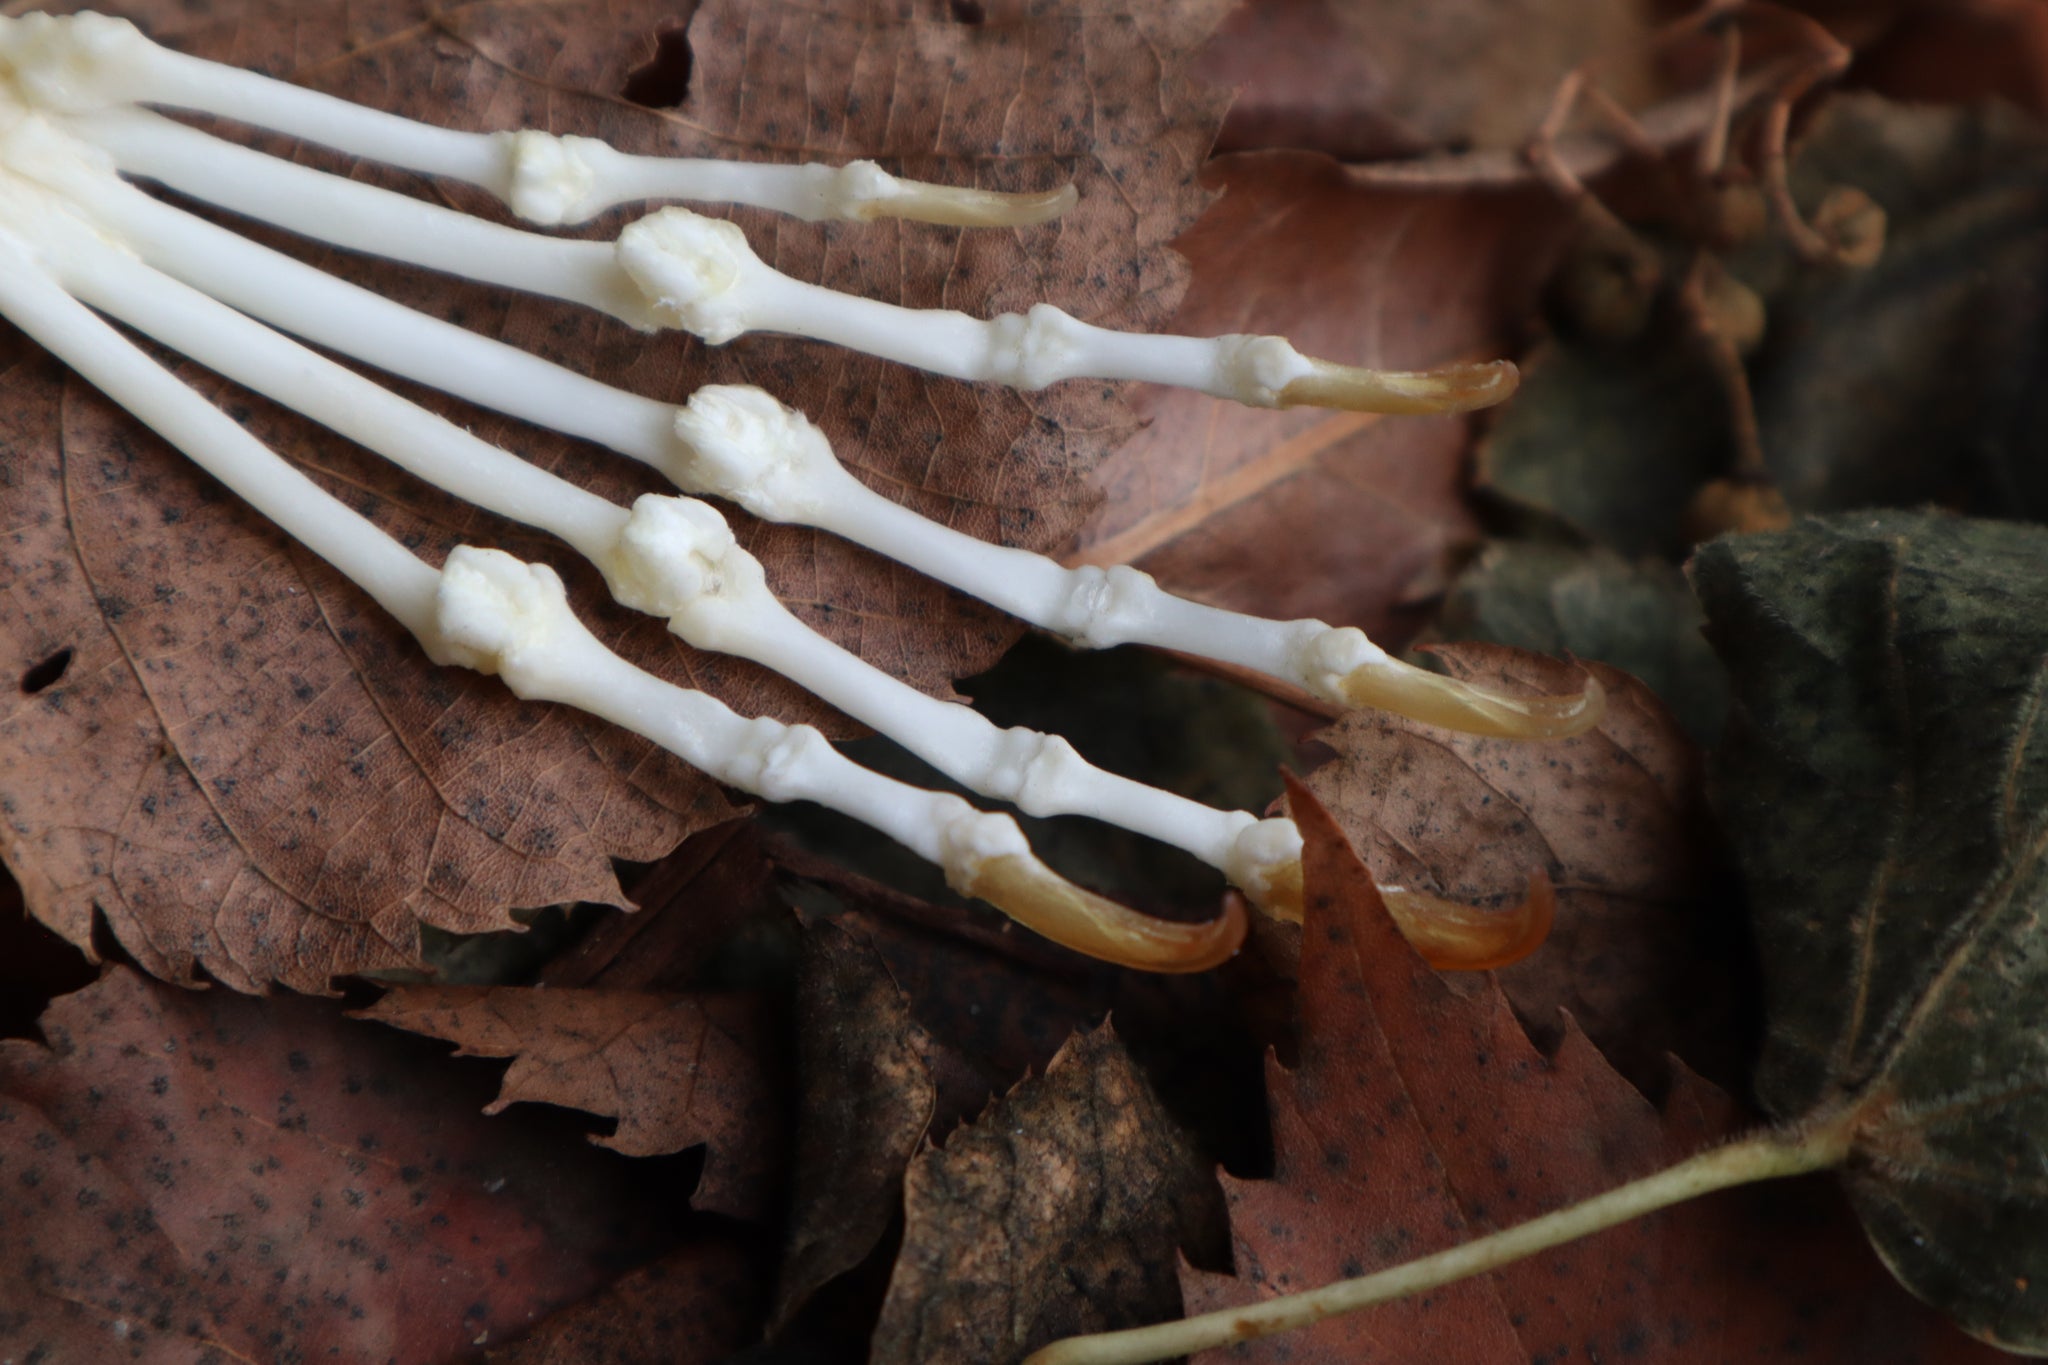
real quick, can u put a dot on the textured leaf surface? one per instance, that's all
(674, 1070)
(701, 1302)
(1886, 784)
(249, 771)
(865, 1100)
(1643, 953)
(1420, 1115)
(1392, 80)
(1590, 602)
(199, 1177)
(1058, 1212)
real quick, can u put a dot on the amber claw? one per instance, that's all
(1418, 694)
(1446, 389)
(1041, 900)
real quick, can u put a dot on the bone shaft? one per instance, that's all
(34, 301)
(413, 438)
(360, 217)
(185, 82)
(296, 298)
(968, 748)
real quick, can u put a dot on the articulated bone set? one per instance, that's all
(78, 240)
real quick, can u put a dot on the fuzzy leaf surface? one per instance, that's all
(1885, 781)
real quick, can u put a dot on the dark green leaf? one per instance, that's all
(1885, 780)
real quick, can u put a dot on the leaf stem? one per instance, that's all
(1768, 1156)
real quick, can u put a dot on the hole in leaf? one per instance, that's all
(664, 80)
(46, 673)
(967, 11)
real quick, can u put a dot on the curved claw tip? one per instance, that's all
(1455, 937)
(1446, 389)
(1450, 935)
(1040, 899)
(1391, 685)
(956, 207)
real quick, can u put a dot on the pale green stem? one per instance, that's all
(1770, 1156)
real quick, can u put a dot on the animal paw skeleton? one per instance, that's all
(77, 239)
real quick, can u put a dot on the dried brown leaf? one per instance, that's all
(1312, 513)
(249, 771)
(1058, 1212)
(1363, 82)
(1645, 947)
(200, 1177)
(865, 1100)
(699, 1303)
(1420, 1115)
(674, 1070)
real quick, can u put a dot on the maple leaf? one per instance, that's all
(189, 1174)
(245, 768)
(674, 1070)
(1420, 1114)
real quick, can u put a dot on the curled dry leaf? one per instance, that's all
(249, 771)
(188, 1176)
(1644, 950)
(1420, 1115)
(1059, 1211)
(674, 1070)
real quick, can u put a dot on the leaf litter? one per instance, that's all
(1419, 1114)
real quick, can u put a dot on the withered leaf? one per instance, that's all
(699, 1302)
(196, 1177)
(1058, 1212)
(1644, 953)
(865, 1099)
(1885, 781)
(1368, 81)
(674, 1070)
(1420, 1115)
(249, 771)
